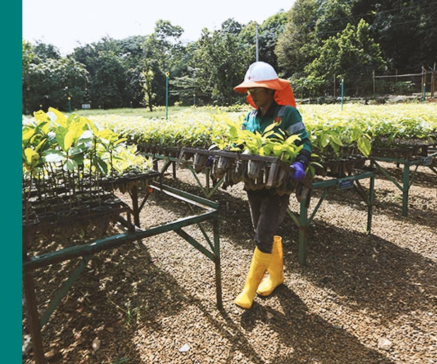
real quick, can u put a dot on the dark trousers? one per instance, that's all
(267, 210)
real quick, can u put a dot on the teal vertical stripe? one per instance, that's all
(10, 27)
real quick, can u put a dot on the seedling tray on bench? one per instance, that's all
(99, 209)
(255, 171)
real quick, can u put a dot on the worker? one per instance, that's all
(273, 100)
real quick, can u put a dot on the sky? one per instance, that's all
(69, 24)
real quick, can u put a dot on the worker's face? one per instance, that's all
(262, 97)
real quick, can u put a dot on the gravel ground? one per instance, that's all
(360, 298)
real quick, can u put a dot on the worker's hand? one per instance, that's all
(209, 161)
(299, 171)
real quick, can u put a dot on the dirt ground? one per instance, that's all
(359, 299)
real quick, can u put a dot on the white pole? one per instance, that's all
(257, 57)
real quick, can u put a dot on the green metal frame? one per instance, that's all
(86, 251)
(211, 186)
(208, 190)
(303, 222)
(408, 176)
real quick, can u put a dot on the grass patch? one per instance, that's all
(156, 113)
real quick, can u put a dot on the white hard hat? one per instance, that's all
(261, 74)
(260, 71)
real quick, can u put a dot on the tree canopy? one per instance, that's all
(314, 45)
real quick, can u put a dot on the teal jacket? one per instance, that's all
(288, 119)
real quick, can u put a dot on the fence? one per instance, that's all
(413, 85)
(421, 83)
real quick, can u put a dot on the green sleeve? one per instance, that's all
(293, 124)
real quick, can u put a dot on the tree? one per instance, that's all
(295, 48)
(193, 84)
(230, 26)
(221, 62)
(162, 53)
(333, 16)
(310, 43)
(112, 65)
(147, 88)
(404, 30)
(44, 51)
(108, 82)
(51, 82)
(132, 56)
(269, 32)
(28, 55)
(247, 39)
(351, 54)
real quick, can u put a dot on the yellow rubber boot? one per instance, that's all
(258, 266)
(275, 269)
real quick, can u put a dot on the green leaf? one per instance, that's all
(102, 166)
(73, 118)
(355, 134)
(60, 136)
(292, 138)
(277, 150)
(80, 149)
(54, 156)
(69, 139)
(336, 140)
(364, 146)
(268, 134)
(27, 134)
(70, 165)
(61, 119)
(107, 134)
(269, 128)
(41, 116)
(30, 156)
(120, 141)
(78, 158)
(324, 140)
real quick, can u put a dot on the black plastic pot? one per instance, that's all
(199, 162)
(254, 169)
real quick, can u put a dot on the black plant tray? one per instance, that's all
(340, 166)
(127, 181)
(408, 149)
(67, 218)
(254, 171)
(399, 152)
(156, 149)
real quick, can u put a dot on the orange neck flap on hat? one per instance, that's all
(282, 97)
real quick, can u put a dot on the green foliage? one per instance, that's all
(411, 22)
(51, 81)
(46, 51)
(223, 61)
(147, 78)
(269, 143)
(190, 128)
(358, 128)
(351, 55)
(317, 31)
(124, 61)
(312, 42)
(53, 141)
(109, 81)
(268, 33)
(333, 133)
(163, 55)
(296, 45)
(333, 17)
